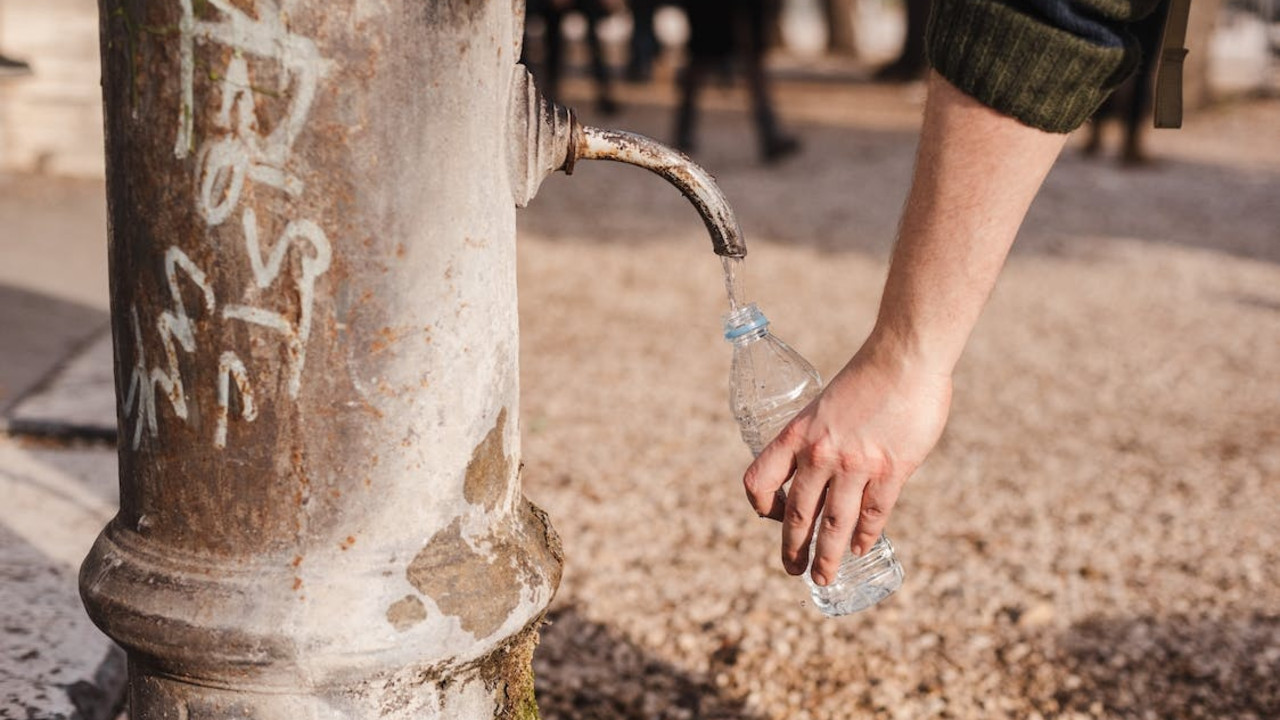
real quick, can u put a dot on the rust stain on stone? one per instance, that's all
(490, 469)
(406, 612)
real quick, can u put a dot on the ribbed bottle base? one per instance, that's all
(860, 582)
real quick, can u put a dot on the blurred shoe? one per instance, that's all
(607, 106)
(1135, 157)
(779, 147)
(13, 68)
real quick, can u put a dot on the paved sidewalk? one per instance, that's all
(58, 489)
(55, 663)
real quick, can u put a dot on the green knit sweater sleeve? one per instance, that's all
(1018, 63)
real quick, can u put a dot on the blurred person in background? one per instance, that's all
(1130, 104)
(721, 31)
(552, 13)
(1009, 81)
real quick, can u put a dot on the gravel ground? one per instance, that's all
(1098, 531)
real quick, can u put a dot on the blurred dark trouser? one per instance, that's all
(644, 41)
(911, 63)
(841, 39)
(719, 30)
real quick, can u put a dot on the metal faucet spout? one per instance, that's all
(694, 182)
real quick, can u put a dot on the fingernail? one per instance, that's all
(857, 550)
(819, 578)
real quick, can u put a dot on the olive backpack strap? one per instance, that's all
(1168, 94)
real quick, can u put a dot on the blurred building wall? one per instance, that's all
(51, 120)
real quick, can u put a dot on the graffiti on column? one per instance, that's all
(235, 156)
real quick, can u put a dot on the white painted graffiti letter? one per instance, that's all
(225, 163)
(173, 325)
(230, 368)
(236, 155)
(316, 254)
(265, 37)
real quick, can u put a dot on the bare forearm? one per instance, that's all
(976, 174)
(848, 454)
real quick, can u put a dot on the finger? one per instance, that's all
(804, 501)
(779, 509)
(766, 476)
(878, 499)
(840, 512)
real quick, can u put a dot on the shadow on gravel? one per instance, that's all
(1194, 205)
(586, 671)
(1169, 668)
(845, 190)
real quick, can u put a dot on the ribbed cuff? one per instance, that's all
(1043, 76)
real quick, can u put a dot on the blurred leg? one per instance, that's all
(644, 41)
(1148, 31)
(911, 62)
(752, 22)
(553, 63)
(710, 42)
(841, 39)
(687, 113)
(594, 13)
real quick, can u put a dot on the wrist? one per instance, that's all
(910, 352)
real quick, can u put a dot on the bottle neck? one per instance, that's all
(748, 337)
(745, 324)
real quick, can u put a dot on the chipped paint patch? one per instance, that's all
(489, 470)
(406, 612)
(482, 591)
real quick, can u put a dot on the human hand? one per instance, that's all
(848, 454)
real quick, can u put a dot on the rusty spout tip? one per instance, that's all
(693, 181)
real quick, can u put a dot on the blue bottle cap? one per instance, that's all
(744, 320)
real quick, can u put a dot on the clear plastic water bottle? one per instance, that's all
(768, 384)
